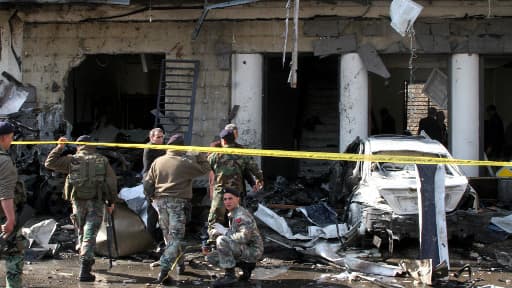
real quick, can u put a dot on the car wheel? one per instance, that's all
(355, 221)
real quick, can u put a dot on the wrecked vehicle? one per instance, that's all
(382, 198)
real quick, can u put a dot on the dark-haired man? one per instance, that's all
(240, 245)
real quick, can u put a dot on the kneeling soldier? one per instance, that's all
(240, 245)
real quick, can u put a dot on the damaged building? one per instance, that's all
(293, 75)
(300, 75)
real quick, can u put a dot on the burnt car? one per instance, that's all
(382, 198)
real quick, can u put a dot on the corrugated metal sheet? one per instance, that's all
(118, 2)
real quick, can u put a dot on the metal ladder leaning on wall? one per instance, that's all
(176, 97)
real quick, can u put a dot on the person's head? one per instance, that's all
(227, 137)
(83, 138)
(156, 136)
(6, 134)
(231, 198)
(432, 112)
(176, 139)
(232, 127)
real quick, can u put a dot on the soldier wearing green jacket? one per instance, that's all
(91, 183)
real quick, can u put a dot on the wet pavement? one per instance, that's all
(280, 268)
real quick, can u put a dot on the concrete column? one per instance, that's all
(353, 99)
(464, 109)
(247, 91)
(10, 36)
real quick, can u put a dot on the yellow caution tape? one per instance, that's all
(289, 154)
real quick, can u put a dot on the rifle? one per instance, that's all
(23, 214)
(111, 237)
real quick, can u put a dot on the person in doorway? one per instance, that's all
(10, 198)
(156, 137)
(388, 122)
(430, 125)
(494, 134)
(240, 245)
(91, 184)
(444, 132)
(229, 172)
(169, 184)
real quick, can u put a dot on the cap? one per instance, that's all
(176, 139)
(231, 126)
(231, 191)
(6, 128)
(84, 138)
(227, 135)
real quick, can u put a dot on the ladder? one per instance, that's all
(176, 97)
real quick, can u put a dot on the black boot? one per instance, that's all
(228, 280)
(85, 271)
(163, 277)
(246, 269)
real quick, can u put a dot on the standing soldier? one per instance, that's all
(169, 184)
(10, 197)
(229, 170)
(240, 245)
(90, 184)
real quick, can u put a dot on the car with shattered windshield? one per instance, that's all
(382, 198)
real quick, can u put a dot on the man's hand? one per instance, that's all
(62, 142)
(8, 227)
(220, 229)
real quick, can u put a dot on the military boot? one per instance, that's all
(163, 277)
(85, 271)
(246, 269)
(228, 280)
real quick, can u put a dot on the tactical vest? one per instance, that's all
(87, 176)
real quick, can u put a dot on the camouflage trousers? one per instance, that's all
(172, 219)
(87, 216)
(230, 251)
(217, 213)
(14, 261)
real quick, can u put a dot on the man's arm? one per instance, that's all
(8, 208)
(56, 161)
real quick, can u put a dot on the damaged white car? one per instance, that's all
(382, 198)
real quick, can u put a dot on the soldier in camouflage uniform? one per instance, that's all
(169, 184)
(229, 171)
(240, 245)
(10, 197)
(87, 213)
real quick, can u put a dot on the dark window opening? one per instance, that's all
(114, 91)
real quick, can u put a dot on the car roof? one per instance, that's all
(380, 143)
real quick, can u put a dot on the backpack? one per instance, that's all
(87, 175)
